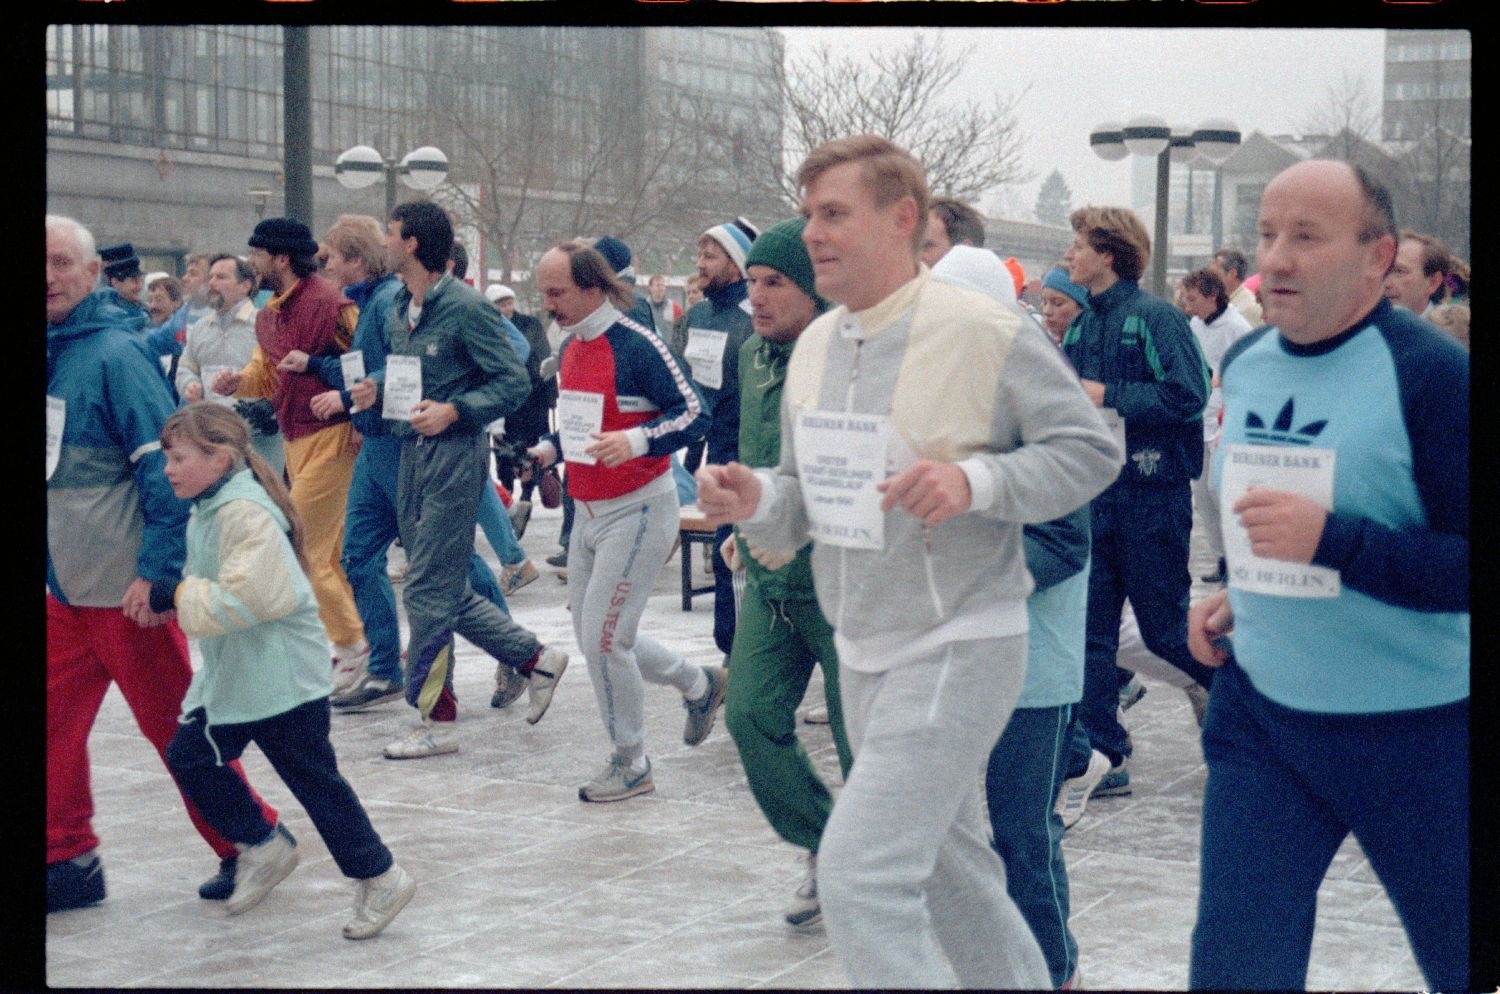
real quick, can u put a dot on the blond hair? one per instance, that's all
(358, 236)
(886, 169)
(214, 428)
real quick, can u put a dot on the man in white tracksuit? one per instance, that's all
(920, 430)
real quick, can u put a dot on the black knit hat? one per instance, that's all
(120, 261)
(283, 236)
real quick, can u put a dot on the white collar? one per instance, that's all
(595, 324)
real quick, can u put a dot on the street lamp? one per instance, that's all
(422, 169)
(1150, 135)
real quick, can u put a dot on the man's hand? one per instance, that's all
(432, 417)
(729, 551)
(771, 559)
(1095, 390)
(137, 604)
(294, 361)
(362, 396)
(227, 382)
(1282, 525)
(193, 391)
(326, 405)
(1208, 620)
(929, 490)
(611, 448)
(727, 494)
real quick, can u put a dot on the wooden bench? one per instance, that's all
(693, 530)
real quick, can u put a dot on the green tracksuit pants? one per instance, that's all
(776, 645)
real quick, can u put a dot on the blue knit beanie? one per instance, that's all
(1057, 279)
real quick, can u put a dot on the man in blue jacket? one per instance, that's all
(717, 326)
(1141, 365)
(113, 527)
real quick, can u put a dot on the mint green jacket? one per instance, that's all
(248, 603)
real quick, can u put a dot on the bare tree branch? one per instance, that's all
(967, 148)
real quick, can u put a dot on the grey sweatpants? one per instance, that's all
(437, 502)
(905, 872)
(613, 559)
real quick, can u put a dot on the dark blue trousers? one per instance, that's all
(1026, 768)
(1140, 551)
(1285, 788)
(296, 744)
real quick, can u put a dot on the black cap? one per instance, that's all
(283, 236)
(120, 261)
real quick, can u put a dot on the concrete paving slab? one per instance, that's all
(522, 885)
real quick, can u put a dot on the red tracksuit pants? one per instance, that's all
(87, 649)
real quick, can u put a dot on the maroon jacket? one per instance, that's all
(308, 319)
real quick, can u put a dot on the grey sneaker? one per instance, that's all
(617, 781)
(513, 578)
(423, 741)
(1073, 796)
(260, 868)
(700, 713)
(509, 686)
(350, 666)
(1115, 783)
(378, 900)
(520, 516)
(1197, 695)
(367, 692)
(805, 909)
(1131, 693)
(543, 681)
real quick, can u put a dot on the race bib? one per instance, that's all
(580, 416)
(352, 365)
(57, 409)
(841, 458)
(1304, 471)
(403, 387)
(705, 356)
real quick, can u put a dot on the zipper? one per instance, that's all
(844, 552)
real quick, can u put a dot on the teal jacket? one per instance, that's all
(251, 608)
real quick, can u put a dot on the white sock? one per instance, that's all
(700, 686)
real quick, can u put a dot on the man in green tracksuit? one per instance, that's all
(781, 632)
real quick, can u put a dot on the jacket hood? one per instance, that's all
(100, 309)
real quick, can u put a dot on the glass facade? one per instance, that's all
(217, 88)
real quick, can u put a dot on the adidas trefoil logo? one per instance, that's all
(1281, 432)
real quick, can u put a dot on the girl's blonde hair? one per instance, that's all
(211, 427)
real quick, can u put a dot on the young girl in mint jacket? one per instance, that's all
(265, 679)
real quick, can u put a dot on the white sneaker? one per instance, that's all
(1073, 796)
(805, 909)
(377, 901)
(617, 781)
(543, 681)
(350, 663)
(422, 741)
(816, 715)
(259, 868)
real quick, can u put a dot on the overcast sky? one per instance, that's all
(1264, 79)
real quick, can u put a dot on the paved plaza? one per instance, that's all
(521, 885)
